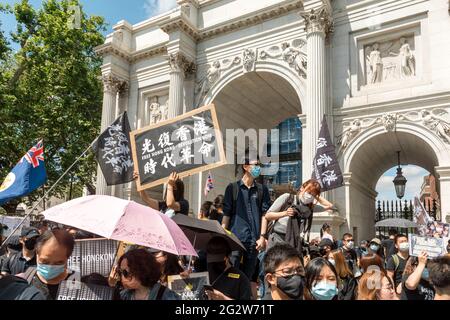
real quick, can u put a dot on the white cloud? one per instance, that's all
(156, 7)
(414, 175)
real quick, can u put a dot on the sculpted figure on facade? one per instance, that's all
(249, 60)
(437, 124)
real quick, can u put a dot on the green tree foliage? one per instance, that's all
(50, 90)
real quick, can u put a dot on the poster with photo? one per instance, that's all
(190, 288)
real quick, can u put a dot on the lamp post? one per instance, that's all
(399, 180)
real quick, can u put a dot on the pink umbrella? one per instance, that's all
(122, 220)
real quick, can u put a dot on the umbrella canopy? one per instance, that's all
(396, 222)
(122, 220)
(199, 232)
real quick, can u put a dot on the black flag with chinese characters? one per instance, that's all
(326, 168)
(113, 152)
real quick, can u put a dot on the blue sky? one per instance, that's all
(133, 11)
(414, 175)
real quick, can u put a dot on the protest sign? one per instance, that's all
(438, 229)
(190, 288)
(187, 144)
(68, 290)
(93, 256)
(433, 246)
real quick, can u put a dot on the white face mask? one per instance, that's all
(307, 198)
(404, 246)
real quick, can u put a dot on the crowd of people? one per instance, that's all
(280, 262)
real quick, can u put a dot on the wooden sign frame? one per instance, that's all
(222, 160)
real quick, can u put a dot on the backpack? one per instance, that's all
(236, 192)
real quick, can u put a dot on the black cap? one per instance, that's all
(29, 232)
(14, 244)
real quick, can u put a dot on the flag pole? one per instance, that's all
(46, 194)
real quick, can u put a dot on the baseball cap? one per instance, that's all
(29, 232)
(326, 242)
(376, 240)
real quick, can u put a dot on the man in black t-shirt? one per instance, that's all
(24, 259)
(348, 250)
(396, 263)
(416, 285)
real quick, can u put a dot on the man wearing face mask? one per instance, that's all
(284, 273)
(228, 283)
(397, 262)
(53, 248)
(21, 261)
(245, 204)
(349, 252)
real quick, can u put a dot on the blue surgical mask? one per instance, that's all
(374, 247)
(255, 171)
(324, 291)
(425, 274)
(49, 272)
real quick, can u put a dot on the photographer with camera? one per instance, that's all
(290, 216)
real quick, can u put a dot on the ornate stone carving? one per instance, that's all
(123, 88)
(290, 53)
(349, 133)
(157, 112)
(318, 20)
(436, 123)
(434, 120)
(179, 63)
(111, 83)
(389, 121)
(249, 60)
(211, 76)
(390, 60)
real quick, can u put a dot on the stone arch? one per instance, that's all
(374, 149)
(277, 67)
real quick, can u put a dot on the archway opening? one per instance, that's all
(373, 166)
(253, 102)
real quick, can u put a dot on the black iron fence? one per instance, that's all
(403, 210)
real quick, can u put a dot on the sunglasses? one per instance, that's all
(124, 273)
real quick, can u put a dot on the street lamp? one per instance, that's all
(399, 180)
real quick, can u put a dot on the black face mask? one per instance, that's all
(215, 269)
(30, 243)
(292, 286)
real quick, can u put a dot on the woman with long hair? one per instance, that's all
(287, 207)
(347, 284)
(169, 263)
(376, 285)
(321, 280)
(371, 261)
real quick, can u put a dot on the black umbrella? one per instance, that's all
(199, 232)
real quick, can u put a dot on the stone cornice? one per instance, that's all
(110, 48)
(178, 23)
(250, 19)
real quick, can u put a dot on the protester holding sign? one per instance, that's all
(416, 285)
(140, 272)
(174, 201)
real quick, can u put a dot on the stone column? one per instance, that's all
(123, 89)
(443, 174)
(110, 89)
(317, 26)
(180, 67)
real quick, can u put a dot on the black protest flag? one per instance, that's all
(326, 168)
(113, 152)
